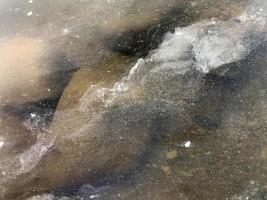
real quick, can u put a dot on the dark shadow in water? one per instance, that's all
(140, 42)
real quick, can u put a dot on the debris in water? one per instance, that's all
(171, 155)
(29, 13)
(166, 170)
(186, 144)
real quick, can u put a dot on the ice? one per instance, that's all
(30, 158)
(203, 46)
(214, 50)
(11, 167)
(212, 44)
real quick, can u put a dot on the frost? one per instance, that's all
(139, 63)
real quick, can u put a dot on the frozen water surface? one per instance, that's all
(125, 100)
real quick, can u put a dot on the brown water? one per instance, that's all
(77, 123)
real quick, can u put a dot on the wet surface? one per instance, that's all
(126, 100)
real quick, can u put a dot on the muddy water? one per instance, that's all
(133, 100)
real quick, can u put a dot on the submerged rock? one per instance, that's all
(105, 74)
(20, 73)
(26, 75)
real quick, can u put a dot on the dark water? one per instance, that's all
(125, 100)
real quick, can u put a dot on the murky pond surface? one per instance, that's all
(133, 100)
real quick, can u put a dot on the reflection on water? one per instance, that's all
(114, 99)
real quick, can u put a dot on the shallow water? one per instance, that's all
(112, 99)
